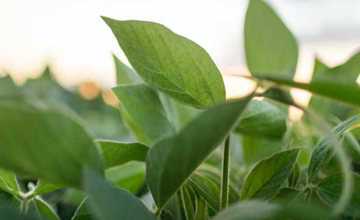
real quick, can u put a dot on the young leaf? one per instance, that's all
(43, 210)
(183, 153)
(320, 155)
(46, 143)
(144, 107)
(8, 182)
(109, 203)
(45, 187)
(117, 153)
(330, 189)
(125, 75)
(170, 62)
(266, 178)
(263, 119)
(249, 210)
(269, 45)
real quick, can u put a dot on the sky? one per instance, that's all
(71, 37)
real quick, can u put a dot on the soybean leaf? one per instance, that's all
(266, 178)
(269, 45)
(286, 195)
(45, 187)
(263, 119)
(8, 182)
(124, 74)
(207, 189)
(82, 212)
(249, 210)
(330, 189)
(43, 210)
(172, 209)
(184, 152)
(144, 107)
(322, 152)
(14, 214)
(345, 92)
(108, 202)
(130, 176)
(188, 198)
(9, 200)
(117, 153)
(46, 143)
(170, 62)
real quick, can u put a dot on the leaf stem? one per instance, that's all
(224, 193)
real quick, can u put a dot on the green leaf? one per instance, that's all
(130, 176)
(201, 209)
(46, 143)
(188, 198)
(125, 75)
(183, 153)
(82, 213)
(330, 189)
(169, 62)
(249, 210)
(269, 45)
(14, 214)
(117, 153)
(44, 211)
(262, 119)
(266, 178)
(144, 107)
(286, 195)
(322, 151)
(109, 203)
(345, 92)
(8, 182)
(45, 187)
(207, 189)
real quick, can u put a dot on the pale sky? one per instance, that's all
(70, 35)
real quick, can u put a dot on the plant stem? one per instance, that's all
(224, 193)
(158, 212)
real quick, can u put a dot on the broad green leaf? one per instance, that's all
(181, 154)
(8, 182)
(44, 211)
(172, 209)
(46, 143)
(262, 119)
(130, 176)
(117, 153)
(249, 210)
(322, 151)
(125, 75)
(144, 107)
(45, 187)
(269, 45)
(345, 92)
(109, 203)
(330, 189)
(257, 148)
(169, 62)
(266, 178)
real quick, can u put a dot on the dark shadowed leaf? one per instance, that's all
(269, 45)
(42, 210)
(109, 203)
(46, 143)
(266, 178)
(262, 119)
(170, 62)
(184, 152)
(330, 190)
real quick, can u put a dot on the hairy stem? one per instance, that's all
(224, 193)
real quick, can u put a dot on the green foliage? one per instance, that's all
(160, 152)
